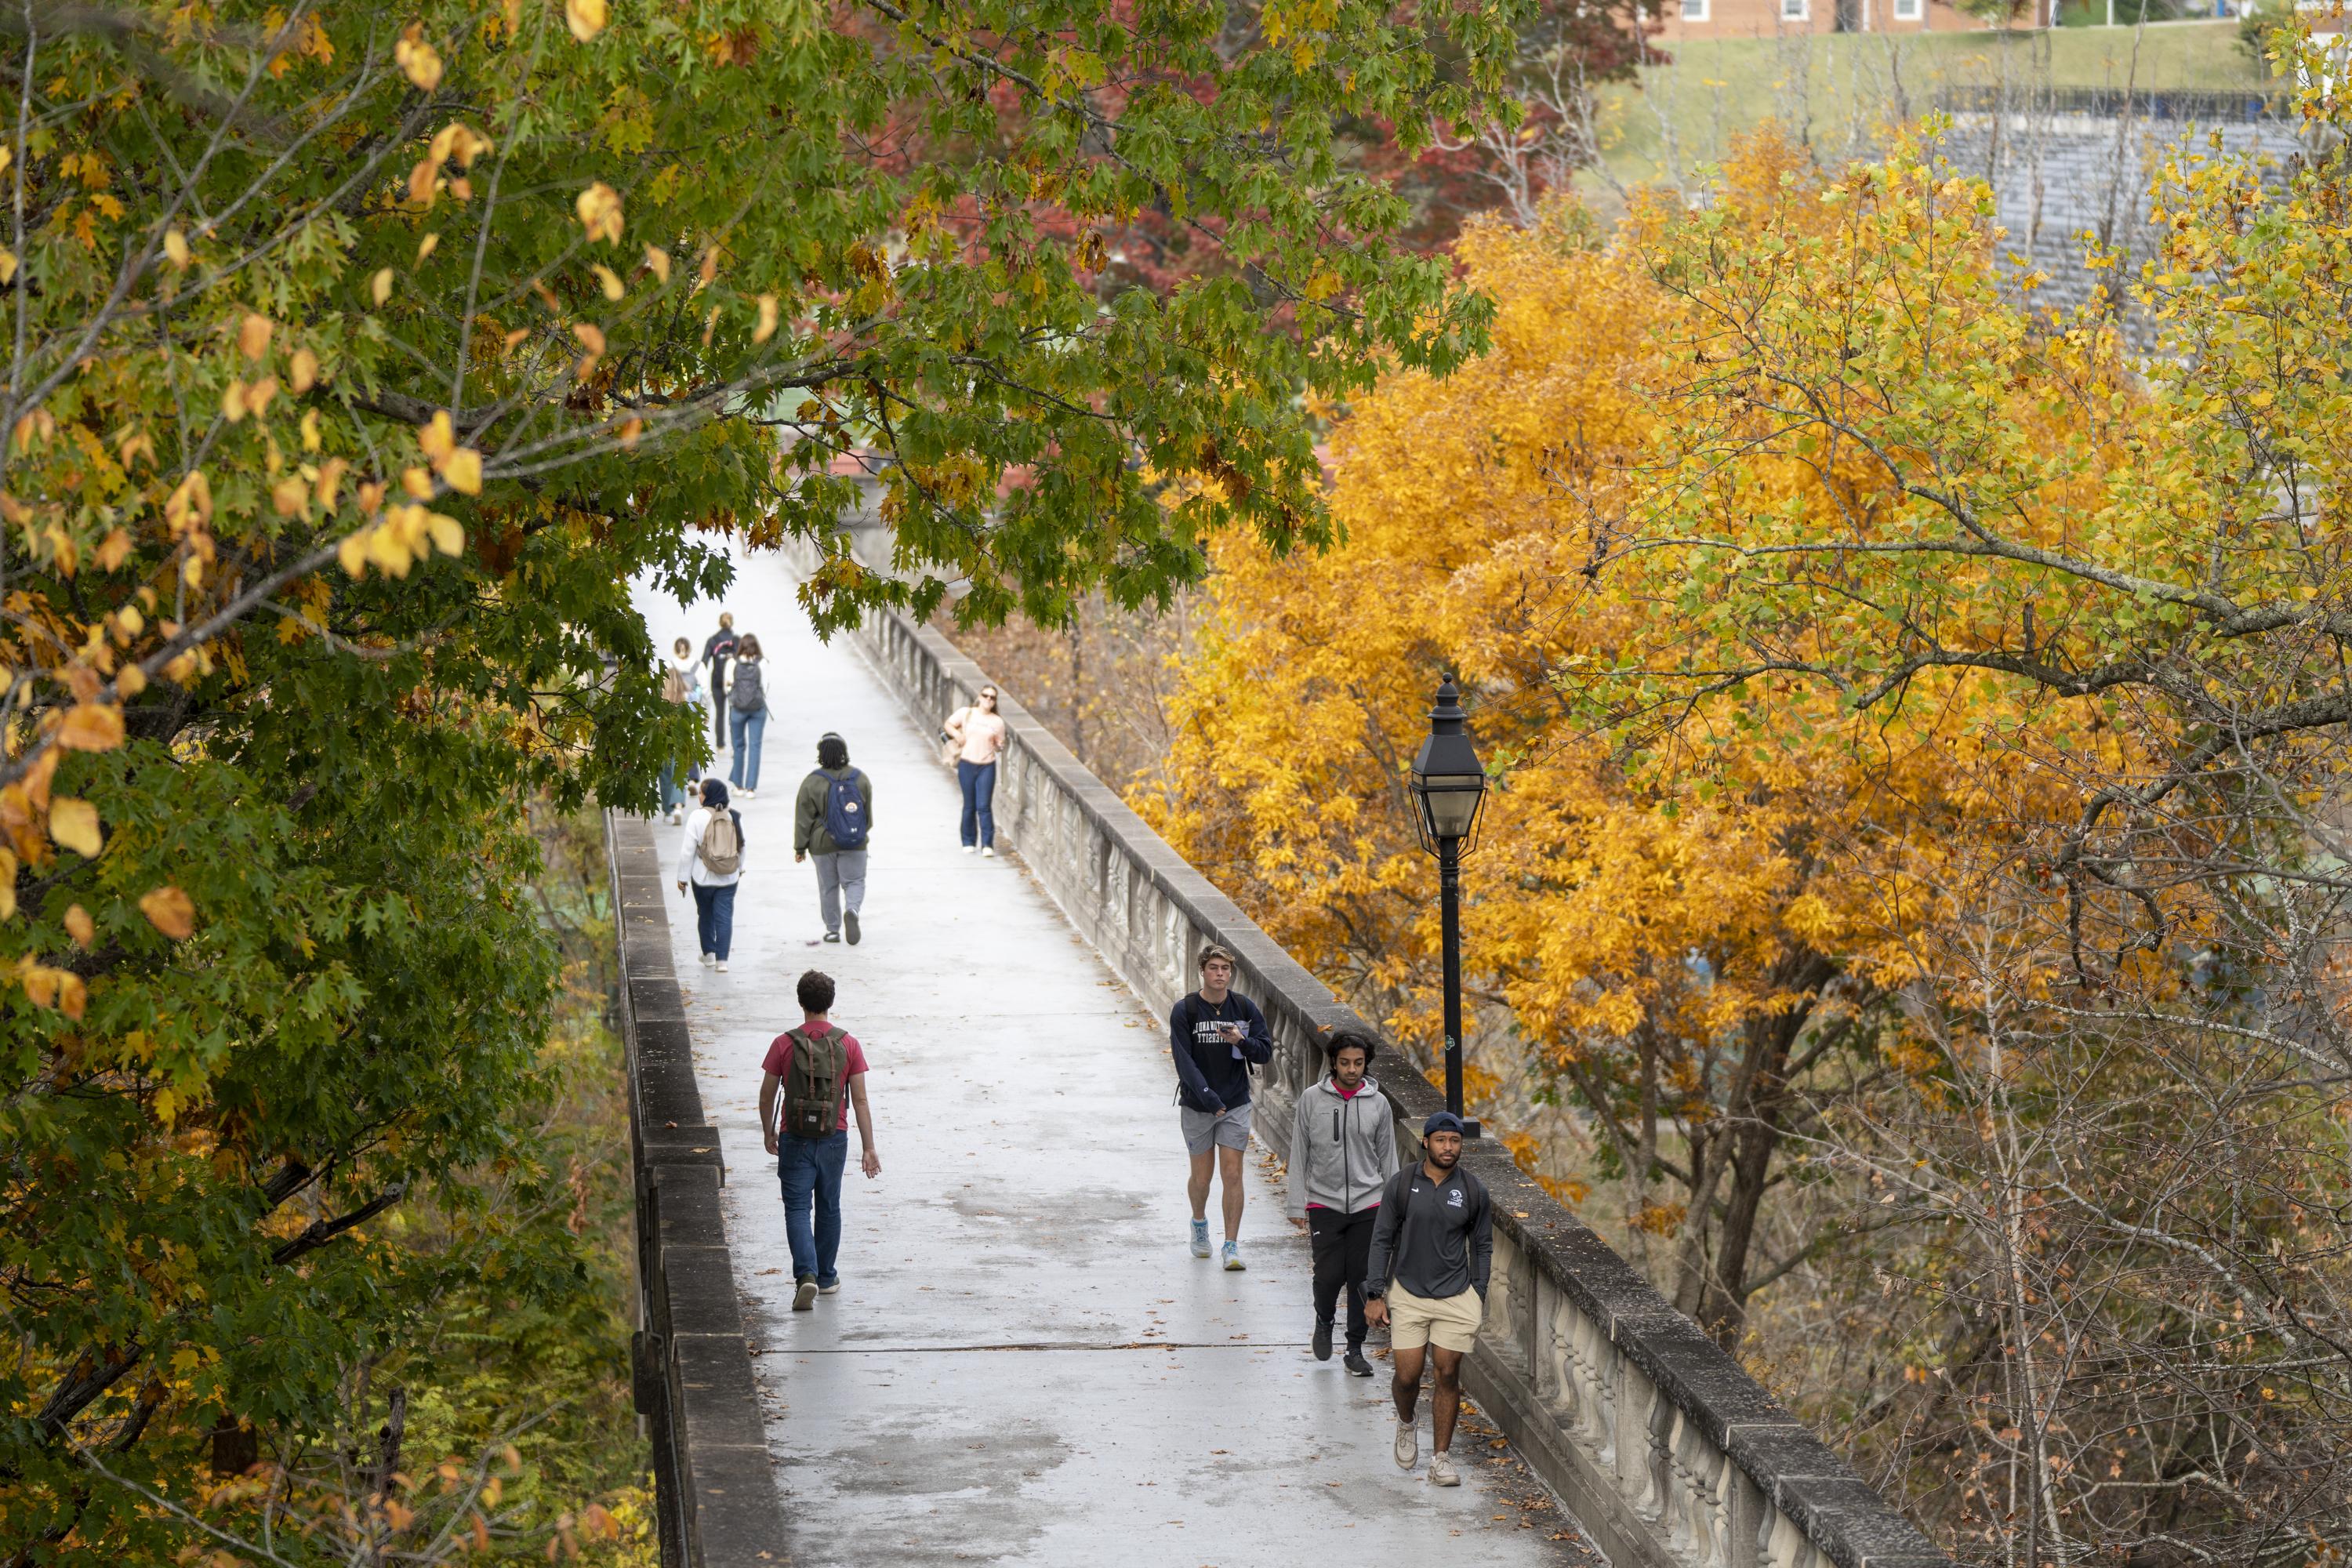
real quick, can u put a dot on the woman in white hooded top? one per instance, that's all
(710, 864)
(681, 683)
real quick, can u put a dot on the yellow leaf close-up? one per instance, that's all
(91, 727)
(462, 471)
(169, 910)
(419, 60)
(598, 208)
(587, 18)
(74, 824)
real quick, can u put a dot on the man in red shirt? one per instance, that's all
(811, 1168)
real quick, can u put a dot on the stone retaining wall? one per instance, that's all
(1668, 1453)
(2058, 177)
(714, 1483)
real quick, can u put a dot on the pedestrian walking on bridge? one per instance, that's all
(1432, 1250)
(817, 1071)
(1216, 1034)
(681, 684)
(832, 820)
(710, 861)
(1342, 1153)
(977, 735)
(717, 651)
(747, 701)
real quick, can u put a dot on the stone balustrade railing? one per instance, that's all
(714, 1483)
(1669, 1454)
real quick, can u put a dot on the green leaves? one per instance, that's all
(359, 363)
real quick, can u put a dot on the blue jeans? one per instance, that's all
(744, 773)
(979, 781)
(674, 793)
(810, 1169)
(714, 919)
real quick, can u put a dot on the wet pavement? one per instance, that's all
(1025, 1363)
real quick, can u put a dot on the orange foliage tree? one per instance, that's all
(1918, 726)
(1695, 933)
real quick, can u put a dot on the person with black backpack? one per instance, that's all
(747, 701)
(832, 820)
(1216, 1036)
(710, 862)
(818, 1072)
(717, 650)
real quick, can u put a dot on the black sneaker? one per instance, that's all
(849, 927)
(1323, 1341)
(1355, 1361)
(833, 936)
(805, 1293)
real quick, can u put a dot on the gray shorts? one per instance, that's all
(1204, 1129)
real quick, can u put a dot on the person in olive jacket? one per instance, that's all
(1342, 1150)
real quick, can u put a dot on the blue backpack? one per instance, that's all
(844, 813)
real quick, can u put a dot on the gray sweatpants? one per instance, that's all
(840, 876)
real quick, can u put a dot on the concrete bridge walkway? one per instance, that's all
(1025, 1363)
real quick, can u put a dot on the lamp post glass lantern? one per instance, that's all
(1449, 786)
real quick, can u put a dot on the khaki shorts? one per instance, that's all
(1451, 1324)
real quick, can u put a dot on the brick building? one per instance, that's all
(1689, 19)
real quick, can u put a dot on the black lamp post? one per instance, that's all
(1449, 785)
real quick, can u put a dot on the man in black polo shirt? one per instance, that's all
(1432, 1249)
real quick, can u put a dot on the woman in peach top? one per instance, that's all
(979, 734)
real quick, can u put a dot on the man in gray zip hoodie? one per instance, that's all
(1342, 1148)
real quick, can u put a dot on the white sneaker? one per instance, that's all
(747, 795)
(720, 966)
(707, 960)
(1408, 1445)
(988, 854)
(1441, 1472)
(968, 849)
(677, 815)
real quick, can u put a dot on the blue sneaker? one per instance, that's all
(1233, 1255)
(1199, 1238)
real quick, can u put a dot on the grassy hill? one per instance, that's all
(1838, 90)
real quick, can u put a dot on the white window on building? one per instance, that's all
(1793, 10)
(1695, 10)
(1909, 10)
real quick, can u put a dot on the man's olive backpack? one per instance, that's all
(813, 1085)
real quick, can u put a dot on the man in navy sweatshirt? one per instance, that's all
(1214, 1034)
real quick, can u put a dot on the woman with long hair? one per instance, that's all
(747, 700)
(978, 733)
(681, 683)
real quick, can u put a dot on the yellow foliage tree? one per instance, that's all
(1699, 927)
(1919, 726)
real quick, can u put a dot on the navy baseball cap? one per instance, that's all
(1441, 1122)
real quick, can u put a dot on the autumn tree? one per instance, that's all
(1678, 951)
(1919, 736)
(358, 362)
(2134, 999)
